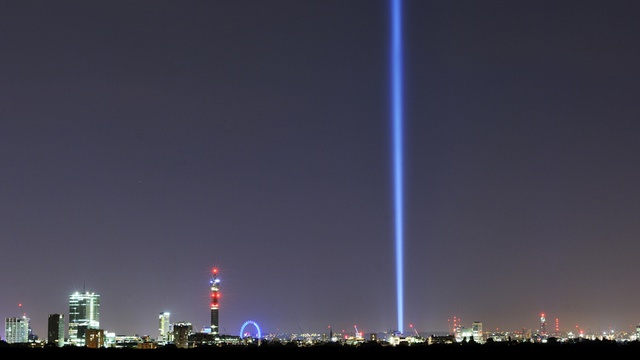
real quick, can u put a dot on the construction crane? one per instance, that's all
(358, 334)
(414, 330)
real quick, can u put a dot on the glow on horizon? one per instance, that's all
(396, 81)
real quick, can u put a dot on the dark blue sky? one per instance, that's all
(144, 142)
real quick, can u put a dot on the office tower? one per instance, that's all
(16, 330)
(164, 335)
(84, 313)
(55, 330)
(543, 325)
(215, 296)
(478, 335)
(181, 332)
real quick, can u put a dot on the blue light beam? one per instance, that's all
(397, 119)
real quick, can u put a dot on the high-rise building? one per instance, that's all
(215, 297)
(181, 332)
(164, 335)
(543, 325)
(478, 334)
(55, 330)
(16, 330)
(84, 313)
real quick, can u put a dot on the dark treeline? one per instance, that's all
(498, 349)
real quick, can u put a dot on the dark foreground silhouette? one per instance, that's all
(435, 351)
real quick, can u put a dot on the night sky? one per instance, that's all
(143, 143)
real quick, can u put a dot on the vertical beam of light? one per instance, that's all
(397, 119)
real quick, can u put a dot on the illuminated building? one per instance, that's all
(477, 333)
(94, 338)
(215, 296)
(164, 335)
(181, 332)
(543, 325)
(84, 313)
(55, 330)
(16, 330)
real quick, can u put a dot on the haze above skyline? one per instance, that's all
(145, 142)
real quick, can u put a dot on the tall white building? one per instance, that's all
(84, 313)
(164, 335)
(16, 330)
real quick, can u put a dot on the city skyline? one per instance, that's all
(455, 324)
(145, 143)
